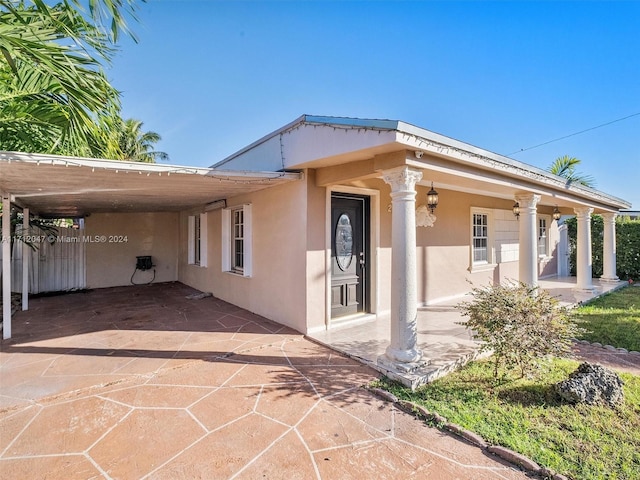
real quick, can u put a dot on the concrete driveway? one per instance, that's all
(144, 382)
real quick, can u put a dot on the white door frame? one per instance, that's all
(374, 246)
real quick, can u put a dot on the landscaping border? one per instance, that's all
(441, 422)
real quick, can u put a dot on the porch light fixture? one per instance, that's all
(556, 213)
(432, 199)
(516, 210)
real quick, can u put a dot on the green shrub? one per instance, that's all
(520, 324)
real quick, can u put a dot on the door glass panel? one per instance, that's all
(344, 242)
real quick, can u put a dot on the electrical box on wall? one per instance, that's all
(144, 262)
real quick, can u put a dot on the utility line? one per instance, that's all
(574, 134)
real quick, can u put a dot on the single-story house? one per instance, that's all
(322, 222)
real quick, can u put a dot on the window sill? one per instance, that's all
(236, 274)
(482, 267)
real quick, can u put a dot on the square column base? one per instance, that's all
(609, 279)
(401, 367)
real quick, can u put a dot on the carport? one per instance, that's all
(52, 186)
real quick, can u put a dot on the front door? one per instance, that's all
(349, 254)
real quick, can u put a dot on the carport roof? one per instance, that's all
(57, 186)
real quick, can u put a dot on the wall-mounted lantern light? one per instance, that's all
(432, 199)
(556, 213)
(516, 210)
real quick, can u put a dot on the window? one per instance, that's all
(237, 244)
(543, 244)
(480, 240)
(197, 240)
(481, 249)
(236, 240)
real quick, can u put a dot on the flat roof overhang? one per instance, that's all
(58, 186)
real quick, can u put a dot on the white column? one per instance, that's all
(6, 265)
(584, 262)
(609, 248)
(404, 309)
(26, 253)
(528, 248)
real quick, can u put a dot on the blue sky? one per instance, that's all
(213, 76)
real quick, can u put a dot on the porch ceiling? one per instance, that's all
(52, 185)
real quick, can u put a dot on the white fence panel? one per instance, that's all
(53, 267)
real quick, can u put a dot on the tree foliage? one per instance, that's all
(520, 324)
(566, 167)
(54, 94)
(130, 142)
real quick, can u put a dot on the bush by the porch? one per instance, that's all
(520, 324)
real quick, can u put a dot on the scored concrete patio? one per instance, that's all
(145, 383)
(445, 344)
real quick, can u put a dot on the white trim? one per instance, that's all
(226, 239)
(247, 243)
(374, 247)
(203, 240)
(191, 236)
(247, 252)
(6, 266)
(547, 219)
(489, 264)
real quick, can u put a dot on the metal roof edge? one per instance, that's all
(316, 120)
(99, 163)
(268, 136)
(449, 142)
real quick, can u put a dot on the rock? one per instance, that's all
(591, 383)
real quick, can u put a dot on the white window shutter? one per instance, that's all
(191, 228)
(248, 247)
(226, 240)
(203, 239)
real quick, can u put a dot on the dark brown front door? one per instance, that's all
(349, 254)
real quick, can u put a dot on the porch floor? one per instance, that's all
(443, 342)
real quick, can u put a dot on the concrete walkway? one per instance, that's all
(145, 383)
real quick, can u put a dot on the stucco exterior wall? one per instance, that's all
(443, 251)
(118, 238)
(277, 286)
(316, 255)
(290, 251)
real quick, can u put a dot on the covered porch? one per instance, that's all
(445, 344)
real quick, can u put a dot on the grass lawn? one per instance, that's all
(583, 442)
(613, 319)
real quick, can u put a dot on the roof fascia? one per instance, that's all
(440, 144)
(140, 167)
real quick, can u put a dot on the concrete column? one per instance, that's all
(6, 265)
(584, 262)
(528, 232)
(404, 309)
(609, 249)
(25, 260)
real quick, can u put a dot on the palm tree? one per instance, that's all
(565, 167)
(53, 90)
(136, 145)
